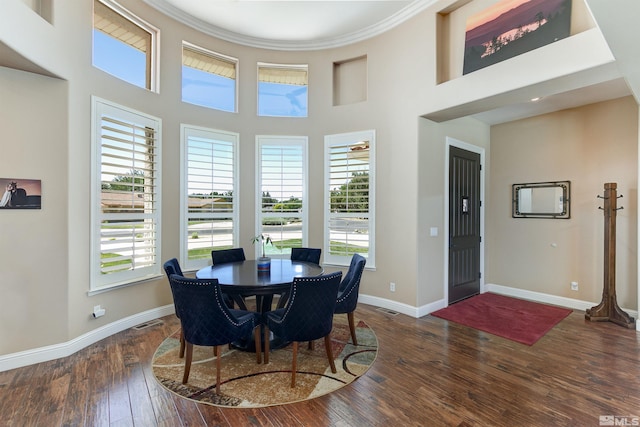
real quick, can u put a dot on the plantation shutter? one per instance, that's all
(282, 177)
(210, 197)
(129, 204)
(282, 186)
(349, 197)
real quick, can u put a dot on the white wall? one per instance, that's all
(588, 146)
(34, 245)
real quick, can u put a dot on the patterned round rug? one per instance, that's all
(245, 384)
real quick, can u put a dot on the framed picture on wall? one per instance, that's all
(513, 27)
(20, 193)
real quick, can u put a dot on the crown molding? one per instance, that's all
(387, 24)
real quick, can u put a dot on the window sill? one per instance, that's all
(123, 285)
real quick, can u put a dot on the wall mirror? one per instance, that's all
(542, 200)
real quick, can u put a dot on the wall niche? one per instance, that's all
(350, 81)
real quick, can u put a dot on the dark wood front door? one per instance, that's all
(464, 224)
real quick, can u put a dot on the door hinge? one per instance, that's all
(479, 275)
(480, 239)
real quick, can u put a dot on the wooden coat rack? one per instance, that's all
(608, 309)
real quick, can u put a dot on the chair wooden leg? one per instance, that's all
(218, 350)
(352, 328)
(311, 346)
(187, 362)
(215, 350)
(328, 347)
(266, 344)
(181, 343)
(294, 364)
(256, 338)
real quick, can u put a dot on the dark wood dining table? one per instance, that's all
(242, 279)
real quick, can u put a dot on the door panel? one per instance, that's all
(464, 224)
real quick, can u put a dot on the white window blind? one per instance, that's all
(282, 188)
(283, 74)
(283, 90)
(349, 197)
(208, 78)
(124, 45)
(209, 195)
(208, 62)
(126, 195)
(120, 28)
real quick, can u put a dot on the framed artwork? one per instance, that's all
(20, 193)
(513, 27)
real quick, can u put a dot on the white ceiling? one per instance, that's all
(291, 24)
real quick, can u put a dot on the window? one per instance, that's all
(209, 194)
(208, 79)
(124, 45)
(350, 197)
(125, 195)
(282, 90)
(281, 196)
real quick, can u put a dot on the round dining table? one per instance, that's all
(242, 279)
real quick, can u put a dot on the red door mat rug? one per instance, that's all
(515, 319)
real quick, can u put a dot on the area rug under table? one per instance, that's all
(245, 384)
(515, 319)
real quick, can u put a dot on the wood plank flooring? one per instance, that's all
(429, 372)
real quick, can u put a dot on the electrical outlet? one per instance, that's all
(574, 286)
(392, 286)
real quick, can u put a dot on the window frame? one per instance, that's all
(347, 140)
(102, 108)
(294, 68)
(152, 71)
(282, 141)
(215, 135)
(215, 55)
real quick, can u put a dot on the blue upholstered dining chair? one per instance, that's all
(207, 321)
(311, 255)
(348, 292)
(306, 254)
(223, 256)
(173, 267)
(307, 316)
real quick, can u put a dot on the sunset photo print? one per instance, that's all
(513, 27)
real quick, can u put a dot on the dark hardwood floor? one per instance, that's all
(429, 372)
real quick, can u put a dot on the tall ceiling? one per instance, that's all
(291, 24)
(309, 25)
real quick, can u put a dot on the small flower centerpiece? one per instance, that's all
(264, 262)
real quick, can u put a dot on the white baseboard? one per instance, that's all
(56, 351)
(401, 307)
